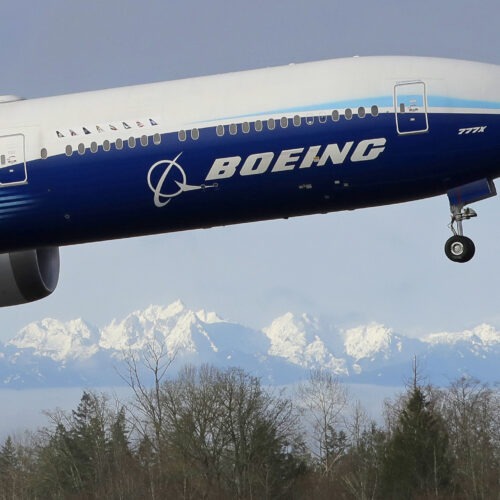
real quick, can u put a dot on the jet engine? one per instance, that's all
(28, 275)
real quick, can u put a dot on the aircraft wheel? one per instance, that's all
(459, 249)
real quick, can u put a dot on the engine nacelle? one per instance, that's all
(28, 275)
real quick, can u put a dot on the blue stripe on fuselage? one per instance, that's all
(433, 101)
(106, 195)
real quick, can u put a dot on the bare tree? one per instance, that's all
(323, 399)
(229, 438)
(147, 410)
(472, 412)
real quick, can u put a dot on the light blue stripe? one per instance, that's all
(13, 197)
(13, 210)
(456, 102)
(381, 102)
(367, 102)
(16, 203)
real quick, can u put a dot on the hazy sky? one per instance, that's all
(385, 264)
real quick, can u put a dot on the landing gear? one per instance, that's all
(459, 248)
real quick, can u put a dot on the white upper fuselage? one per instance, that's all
(308, 89)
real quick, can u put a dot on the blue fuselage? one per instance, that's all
(104, 195)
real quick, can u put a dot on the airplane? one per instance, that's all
(264, 144)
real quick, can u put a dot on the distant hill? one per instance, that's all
(51, 353)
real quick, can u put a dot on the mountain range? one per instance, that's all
(52, 353)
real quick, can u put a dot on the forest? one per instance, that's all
(211, 433)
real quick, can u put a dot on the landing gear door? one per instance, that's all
(12, 161)
(410, 101)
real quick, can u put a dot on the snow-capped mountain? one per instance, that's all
(483, 336)
(175, 327)
(298, 340)
(57, 340)
(75, 353)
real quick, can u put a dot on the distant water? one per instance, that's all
(372, 397)
(22, 410)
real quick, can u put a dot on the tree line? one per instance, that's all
(211, 433)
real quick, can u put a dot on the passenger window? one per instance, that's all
(69, 150)
(131, 142)
(310, 120)
(119, 144)
(106, 145)
(297, 121)
(245, 127)
(44, 154)
(220, 130)
(322, 119)
(258, 126)
(182, 135)
(361, 112)
(348, 113)
(335, 115)
(374, 110)
(271, 124)
(94, 147)
(144, 140)
(284, 122)
(233, 129)
(157, 139)
(195, 134)
(81, 149)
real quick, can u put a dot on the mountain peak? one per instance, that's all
(58, 340)
(290, 334)
(175, 308)
(368, 340)
(209, 317)
(483, 334)
(298, 339)
(174, 326)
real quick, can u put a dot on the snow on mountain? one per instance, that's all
(483, 335)
(176, 327)
(377, 351)
(298, 340)
(188, 337)
(370, 340)
(57, 340)
(208, 317)
(51, 352)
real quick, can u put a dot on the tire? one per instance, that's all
(459, 249)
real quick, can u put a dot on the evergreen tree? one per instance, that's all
(417, 460)
(361, 466)
(8, 469)
(57, 473)
(88, 440)
(121, 462)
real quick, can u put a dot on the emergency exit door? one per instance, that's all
(12, 160)
(410, 101)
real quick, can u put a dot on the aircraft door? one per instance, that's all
(410, 102)
(12, 161)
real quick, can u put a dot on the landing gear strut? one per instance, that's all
(460, 248)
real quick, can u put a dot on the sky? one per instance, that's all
(382, 264)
